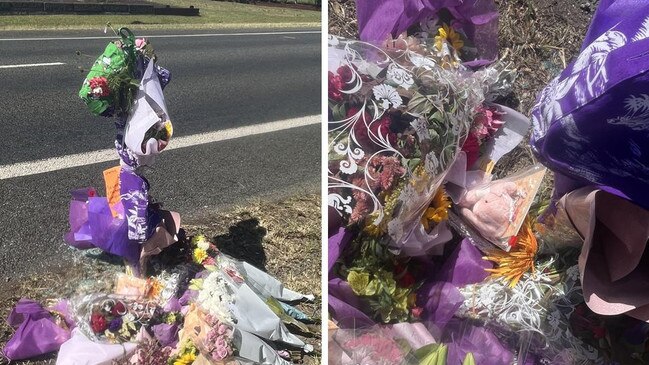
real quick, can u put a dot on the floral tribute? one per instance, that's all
(181, 301)
(434, 257)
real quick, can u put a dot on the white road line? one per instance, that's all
(168, 36)
(33, 65)
(89, 158)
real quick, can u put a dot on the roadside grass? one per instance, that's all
(281, 237)
(213, 14)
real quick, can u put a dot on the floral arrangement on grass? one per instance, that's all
(113, 318)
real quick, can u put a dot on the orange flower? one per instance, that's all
(513, 264)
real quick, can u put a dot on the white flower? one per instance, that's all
(387, 96)
(106, 61)
(203, 245)
(400, 76)
(215, 297)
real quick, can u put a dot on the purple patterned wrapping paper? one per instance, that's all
(591, 123)
(134, 190)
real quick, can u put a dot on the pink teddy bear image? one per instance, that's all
(491, 209)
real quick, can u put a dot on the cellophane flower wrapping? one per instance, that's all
(398, 117)
(113, 318)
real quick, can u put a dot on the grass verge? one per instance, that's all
(281, 237)
(214, 15)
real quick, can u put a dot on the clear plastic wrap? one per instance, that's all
(498, 209)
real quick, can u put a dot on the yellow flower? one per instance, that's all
(448, 34)
(196, 239)
(186, 359)
(513, 264)
(438, 210)
(199, 255)
(169, 129)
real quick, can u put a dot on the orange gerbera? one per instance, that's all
(513, 264)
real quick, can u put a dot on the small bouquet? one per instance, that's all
(111, 84)
(399, 115)
(211, 337)
(498, 209)
(113, 318)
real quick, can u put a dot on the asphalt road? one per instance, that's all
(218, 82)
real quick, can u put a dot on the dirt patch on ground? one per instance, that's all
(282, 238)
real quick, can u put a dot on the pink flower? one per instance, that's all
(416, 312)
(363, 203)
(222, 329)
(385, 171)
(99, 87)
(140, 43)
(486, 122)
(223, 353)
(209, 261)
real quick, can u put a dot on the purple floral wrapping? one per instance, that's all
(36, 332)
(590, 124)
(377, 19)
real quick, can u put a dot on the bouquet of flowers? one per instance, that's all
(405, 118)
(399, 115)
(113, 318)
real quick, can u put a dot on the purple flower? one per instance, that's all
(115, 324)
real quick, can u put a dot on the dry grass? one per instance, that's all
(281, 237)
(213, 15)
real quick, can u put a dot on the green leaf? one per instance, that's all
(413, 163)
(468, 360)
(432, 354)
(276, 307)
(419, 105)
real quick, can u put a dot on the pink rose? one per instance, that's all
(140, 43)
(223, 329)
